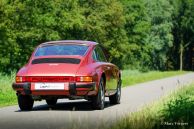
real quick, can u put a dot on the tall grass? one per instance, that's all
(175, 111)
(131, 77)
(7, 95)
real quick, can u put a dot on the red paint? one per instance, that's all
(67, 72)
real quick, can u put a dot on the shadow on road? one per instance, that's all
(67, 106)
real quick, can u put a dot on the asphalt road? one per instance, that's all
(79, 114)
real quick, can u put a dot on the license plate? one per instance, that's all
(51, 86)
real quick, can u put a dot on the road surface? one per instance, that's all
(79, 114)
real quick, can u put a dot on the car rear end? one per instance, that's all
(58, 86)
(52, 74)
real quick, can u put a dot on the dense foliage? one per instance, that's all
(138, 34)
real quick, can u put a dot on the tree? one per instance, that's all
(137, 26)
(183, 31)
(104, 23)
(160, 38)
(25, 24)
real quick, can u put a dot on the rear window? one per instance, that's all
(64, 49)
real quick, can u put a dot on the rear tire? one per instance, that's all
(115, 99)
(25, 102)
(98, 100)
(51, 102)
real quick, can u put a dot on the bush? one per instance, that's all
(176, 111)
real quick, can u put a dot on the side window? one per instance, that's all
(94, 55)
(98, 55)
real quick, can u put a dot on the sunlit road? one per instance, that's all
(79, 114)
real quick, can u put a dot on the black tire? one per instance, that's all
(115, 99)
(25, 102)
(98, 100)
(51, 102)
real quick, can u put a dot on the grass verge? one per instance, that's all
(7, 94)
(174, 111)
(131, 77)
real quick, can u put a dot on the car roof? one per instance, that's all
(80, 42)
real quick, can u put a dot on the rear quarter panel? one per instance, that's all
(97, 69)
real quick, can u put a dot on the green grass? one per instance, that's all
(131, 77)
(7, 94)
(173, 109)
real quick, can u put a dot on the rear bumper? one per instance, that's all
(22, 87)
(74, 88)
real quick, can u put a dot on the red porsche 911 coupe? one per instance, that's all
(68, 69)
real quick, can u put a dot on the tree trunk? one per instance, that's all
(181, 60)
(181, 56)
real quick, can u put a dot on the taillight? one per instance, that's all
(19, 79)
(84, 79)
